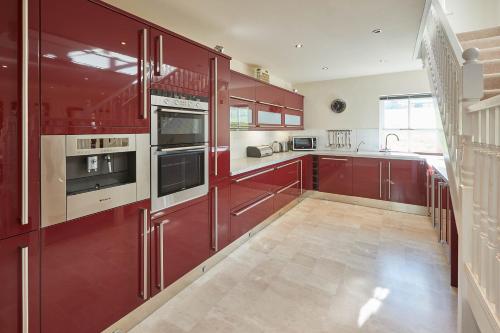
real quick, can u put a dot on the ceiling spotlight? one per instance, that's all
(299, 45)
(295, 90)
(376, 31)
(324, 68)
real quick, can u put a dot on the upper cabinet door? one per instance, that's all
(19, 119)
(241, 86)
(94, 78)
(294, 101)
(178, 66)
(266, 93)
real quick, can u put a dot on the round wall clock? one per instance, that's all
(338, 105)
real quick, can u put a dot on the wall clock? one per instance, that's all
(338, 105)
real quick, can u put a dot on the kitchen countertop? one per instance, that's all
(242, 165)
(437, 162)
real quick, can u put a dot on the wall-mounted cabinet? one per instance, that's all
(262, 106)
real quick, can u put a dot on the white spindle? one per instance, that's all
(491, 283)
(483, 233)
(476, 223)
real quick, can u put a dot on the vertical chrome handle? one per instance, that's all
(440, 207)
(433, 200)
(162, 254)
(216, 219)
(145, 254)
(24, 114)
(301, 184)
(160, 55)
(380, 179)
(25, 289)
(427, 189)
(145, 73)
(389, 180)
(216, 114)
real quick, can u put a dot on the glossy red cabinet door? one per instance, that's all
(404, 182)
(179, 66)
(294, 101)
(247, 217)
(335, 174)
(250, 187)
(287, 180)
(92, 269)
(15, 253)
(186, 244)
(242, 86)
(219, 111)
(91, 73)
(11, 120)
(220, 218)
(293, 120)
(267, 93)
(369, 178)
(307, 172)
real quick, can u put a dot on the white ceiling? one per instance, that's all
(335, 33)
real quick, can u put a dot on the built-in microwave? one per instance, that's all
(304, 143)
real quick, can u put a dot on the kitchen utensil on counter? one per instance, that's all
(284, 146)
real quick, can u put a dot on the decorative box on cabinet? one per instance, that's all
(94, 267)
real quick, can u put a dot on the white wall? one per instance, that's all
(244, 68)
(469, 15)
(362, 97)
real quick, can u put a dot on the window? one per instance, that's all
(413, 118)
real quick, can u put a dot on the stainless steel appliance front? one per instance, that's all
(304, 143)
(178, 175)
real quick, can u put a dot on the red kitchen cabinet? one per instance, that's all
(178, 66)
(287, 183)
(242, 86)
(266, 93)
(94, 269)
(242, 114)
(13, 131)
(247, 217)
(92, 74)
(220, 218)
(307, 172)
(335, 175)
(293, 120)
(294, 101)
(404, 182)
(269, 116)
(20, 269)
(369, 178)
(219, 111)
(180, 242)
(251, 187)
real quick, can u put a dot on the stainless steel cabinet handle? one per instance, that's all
(162, 253)
(25, 288)
(145, 254)
(433, 200)
(335, 159)
(380, 179)
(270, 104)
(216, 115)
(390, 181)
(301, 183)
(286, 188)
(427, 188)
(243, 99)
(174, 110)
(440, 208)
(216, 219)
(238, 213)
(183, 148)
(288, 164)
(24, 116)
(160, 55)
(254, 175)
(145, 73)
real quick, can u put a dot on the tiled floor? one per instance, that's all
(322, 267)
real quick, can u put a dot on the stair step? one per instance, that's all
(491, 66)
(490, 53)
(483, 43)
(479, 34)
(488, 93)
(492, 81)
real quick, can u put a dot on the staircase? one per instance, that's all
(488, 43)
(464, 74)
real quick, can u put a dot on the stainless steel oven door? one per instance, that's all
(178, 175)
(176, 127)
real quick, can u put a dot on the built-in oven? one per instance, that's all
(179, 149)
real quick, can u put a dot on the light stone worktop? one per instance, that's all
(242, 165)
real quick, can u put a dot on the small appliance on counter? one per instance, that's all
(259, 151)
(284, 146)
(275, 146)
(304, 143)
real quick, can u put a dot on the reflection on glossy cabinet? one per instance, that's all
(247, 217)
(293, 120)
(294, 101)
(12, 130)
(242, 114)
(180, 242)
(251, 187)
(267, 93)
(94, 268)
(287, 179)
(20, 264)
(335, 174)
(220, 218)
(405, 182)
(92, 78)
(242, 86)
(369, 178)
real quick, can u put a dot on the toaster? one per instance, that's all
(259, 151)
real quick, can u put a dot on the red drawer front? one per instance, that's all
(287, 174)
(186, 243)
(250, 188)
(246, 218)
(286, 195)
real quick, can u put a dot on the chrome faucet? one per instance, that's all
(386, 137)
(357, 149)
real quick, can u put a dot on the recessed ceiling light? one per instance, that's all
(324, 68)
(299, 45)
(376, 31)
(295, 90)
